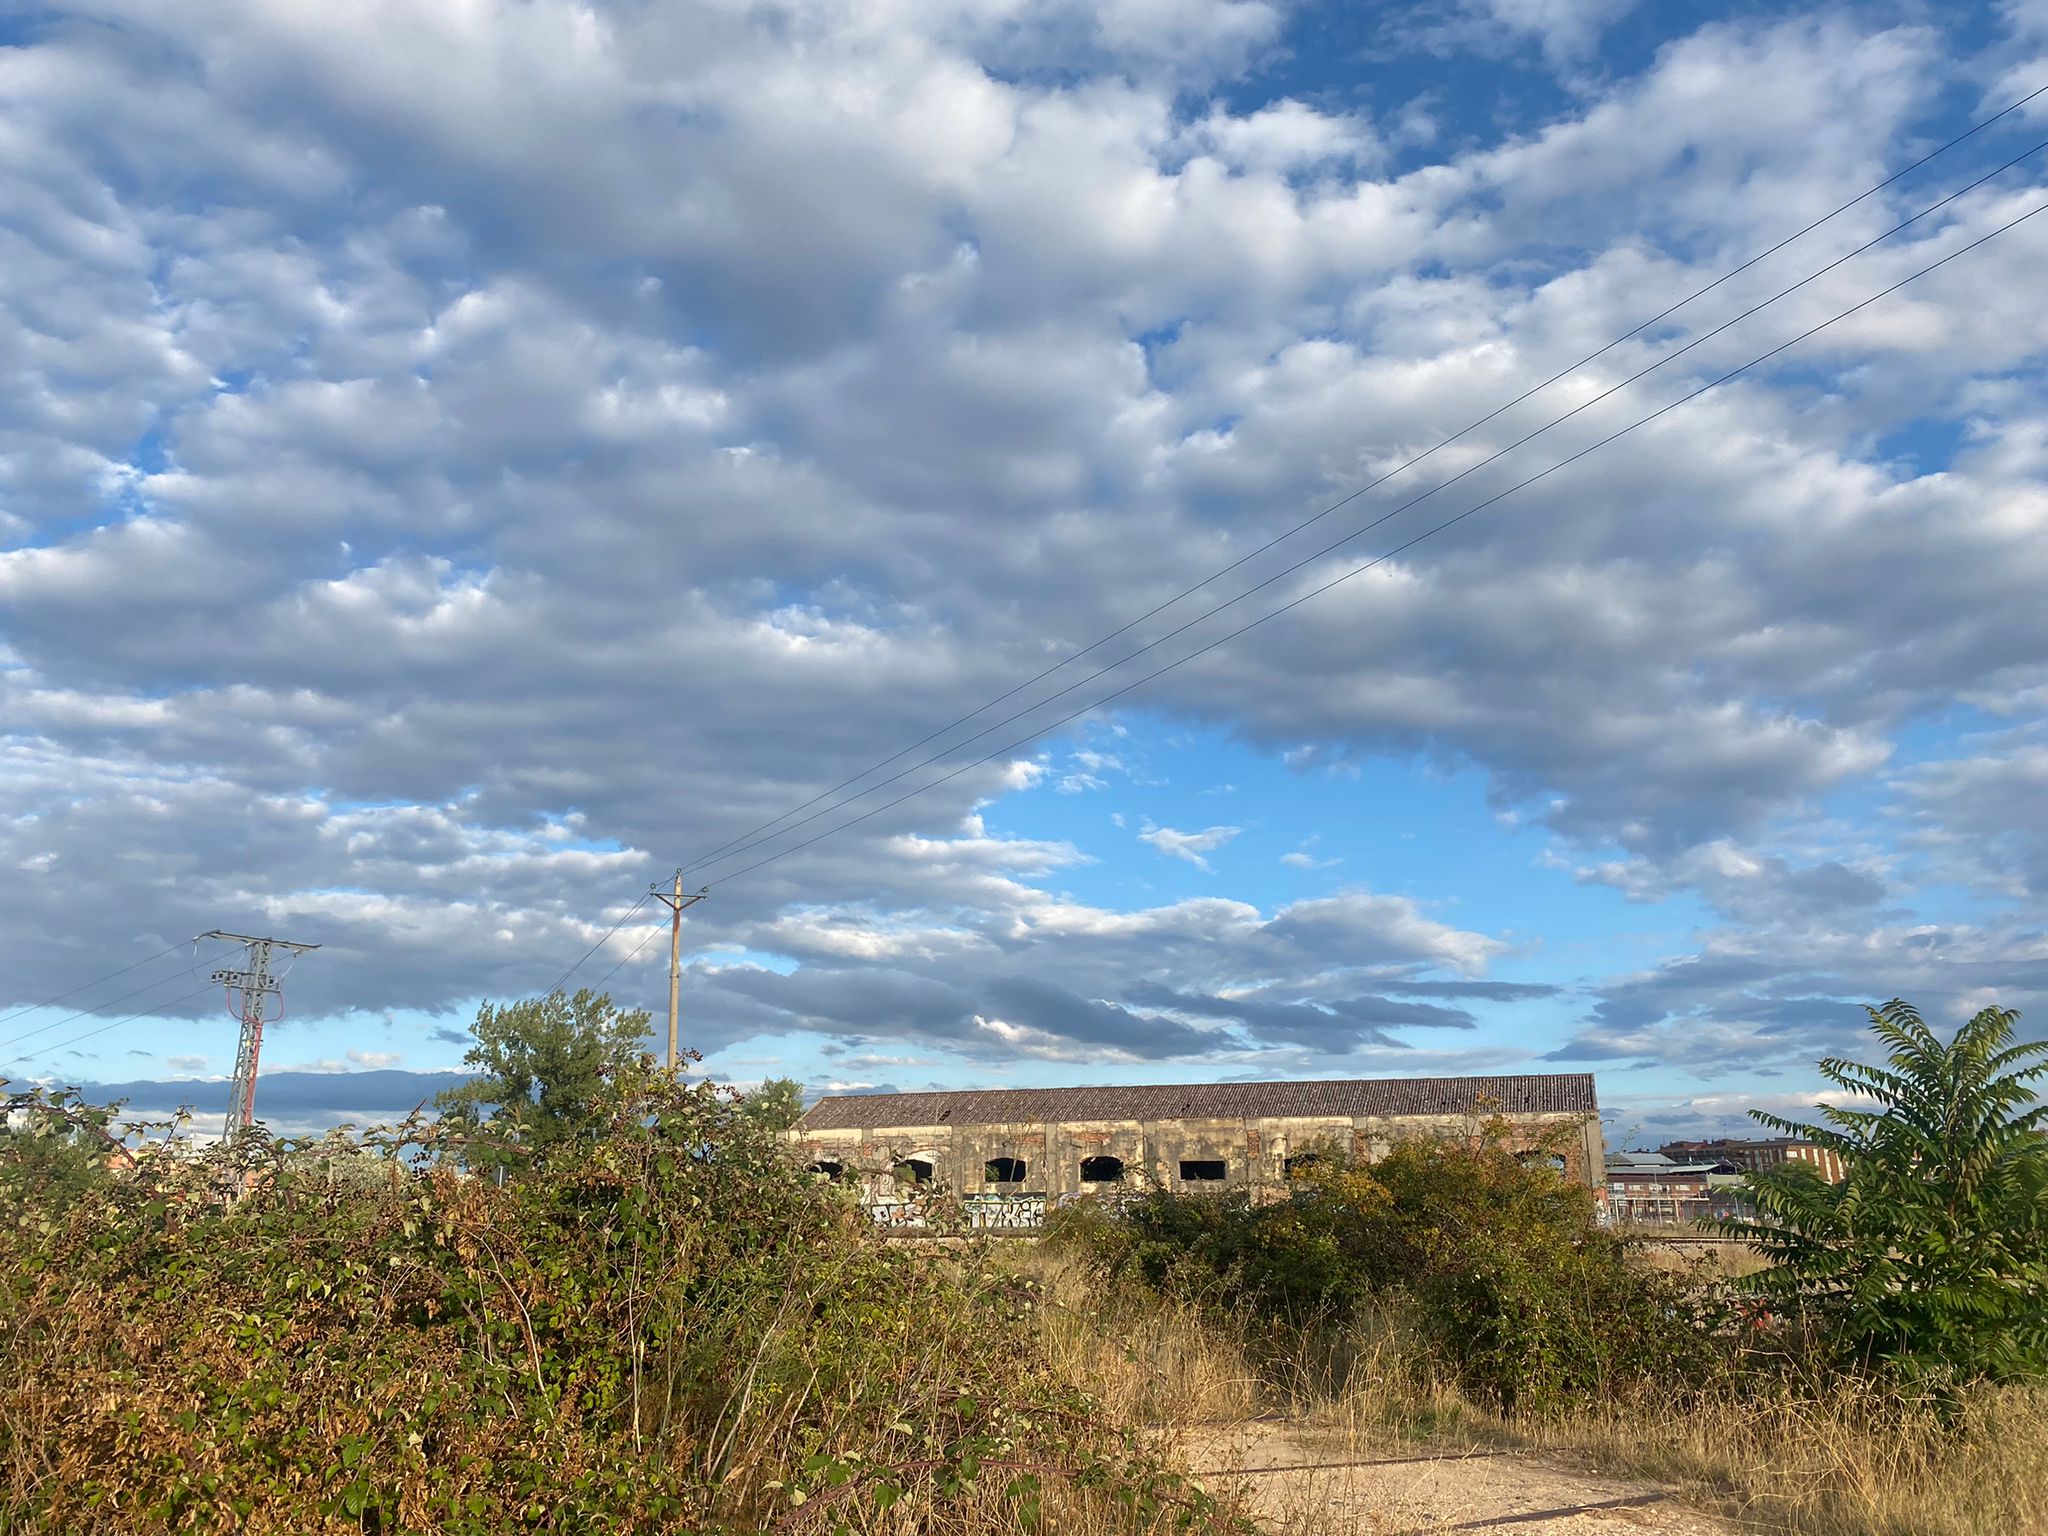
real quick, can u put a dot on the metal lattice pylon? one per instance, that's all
(250, 991)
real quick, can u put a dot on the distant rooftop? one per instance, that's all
(1527, 1094)
(1639, 1160)
(1655, 1162)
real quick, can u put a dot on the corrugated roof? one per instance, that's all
(1531, 1093)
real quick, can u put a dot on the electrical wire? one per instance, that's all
(632, 954)
(43, 1029)
(63, 1045)
(1387, 516)
(82, 986)
(1400, 548)
(602, 939)
(755, 836)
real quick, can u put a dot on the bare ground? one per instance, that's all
(1300, 1481)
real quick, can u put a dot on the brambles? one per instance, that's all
(54, 1148)
(676, 1329)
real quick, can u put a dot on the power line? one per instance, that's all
(1387, 516)
(145, 1013)
(754, 837)
(1399, 548)
(44, 1029)
(602, 939)
(83, 985)
(630, 955)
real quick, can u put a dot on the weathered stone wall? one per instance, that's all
(1154, 1153)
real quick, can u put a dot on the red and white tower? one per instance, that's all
(250, 992)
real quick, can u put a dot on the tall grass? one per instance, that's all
(1847, 1458)
(1852, 1459)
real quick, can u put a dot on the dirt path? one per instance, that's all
(1300, 1482)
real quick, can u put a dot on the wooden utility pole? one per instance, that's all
(675, 901)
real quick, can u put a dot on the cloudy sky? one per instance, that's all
(461, 459)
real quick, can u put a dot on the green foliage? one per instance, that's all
(548, 1073)
(676, 1329)
(776, 1105)
(1498, 1264)
(1930, 1258)
(53, 1148)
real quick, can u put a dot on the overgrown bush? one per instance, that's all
(53, 1148)
(1499, 1265)
(677, 1330)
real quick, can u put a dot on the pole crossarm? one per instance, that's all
(250, 938)
(675, 901)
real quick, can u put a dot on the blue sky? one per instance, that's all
(459, 463)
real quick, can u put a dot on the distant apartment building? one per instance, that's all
(1651, 1189)
(1755, 1156)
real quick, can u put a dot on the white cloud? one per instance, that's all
(1287, 136)
(1976, 818)
(1566, 29)
(1305, 857)
(1088, 770)
(621, 522)
(1190, 846)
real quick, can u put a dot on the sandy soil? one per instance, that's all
(1300, 1482)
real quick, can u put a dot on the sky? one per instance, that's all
(460, 462)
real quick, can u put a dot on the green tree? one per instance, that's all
(776, 1105)
(548, 1071)
(1930, 1257)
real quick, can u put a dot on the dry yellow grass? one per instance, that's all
(1854, 1461)
(1724, 1261)
(1147, 1359)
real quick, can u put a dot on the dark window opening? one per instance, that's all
(1301, 1162)
(1102, 1170)
(828, 1169)
(914, 1170)
(1004, 1170)
(1197, 1170)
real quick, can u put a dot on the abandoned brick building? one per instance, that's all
(1044, 1144)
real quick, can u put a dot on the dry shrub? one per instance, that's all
(674, 1330)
